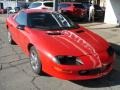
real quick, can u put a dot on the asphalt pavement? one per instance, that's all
(16, 73)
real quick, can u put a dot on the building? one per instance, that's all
(7, 3)
(112, 13)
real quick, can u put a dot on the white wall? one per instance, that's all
(112, 14)
(9, 4)
(103, 3)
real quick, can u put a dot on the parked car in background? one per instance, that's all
(99, 12)
(58, 46)
(73, 9)
(86, 5)
(14, 10)
(1, 8)
(7, 9)
(23, 5)
(41, 5)
(1, 11)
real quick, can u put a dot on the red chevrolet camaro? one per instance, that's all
(58, 46)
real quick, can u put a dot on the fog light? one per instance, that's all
(62, 70)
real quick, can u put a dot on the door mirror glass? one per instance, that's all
(21, 27)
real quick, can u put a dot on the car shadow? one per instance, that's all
(112, 79)
(45, 74)
(116, 48)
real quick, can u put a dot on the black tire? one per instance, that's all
(10, 40)
(35, 61)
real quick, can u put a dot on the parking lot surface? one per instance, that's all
(16, 73)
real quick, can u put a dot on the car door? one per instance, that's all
(16, 20)
(22, 32)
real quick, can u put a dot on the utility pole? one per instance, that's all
(16, 3)
(27, 0)
(55, 5)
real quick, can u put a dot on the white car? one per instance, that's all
(14, 10)
(41, 5)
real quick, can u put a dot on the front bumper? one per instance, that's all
(80, 74)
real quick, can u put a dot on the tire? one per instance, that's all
(35, 61)
(10, 40)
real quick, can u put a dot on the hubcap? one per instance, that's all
(9, 36)
(34, 61)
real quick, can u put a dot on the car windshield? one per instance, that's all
(50, 21)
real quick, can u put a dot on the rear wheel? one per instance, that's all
(10, 40)
(35, 61)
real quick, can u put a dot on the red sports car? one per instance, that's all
(73, 10)
(59, 47)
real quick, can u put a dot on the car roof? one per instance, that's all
(41, 1)
(37, 10)
(70, 3)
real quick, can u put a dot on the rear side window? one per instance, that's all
(78, 5)
(64, 5)
(48, 4)
(34, 5)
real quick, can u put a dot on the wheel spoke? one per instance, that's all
(34, 60)
(9, 36)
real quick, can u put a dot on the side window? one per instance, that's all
(79, 6)
(21, 18)
(48, 4)
(64, 5)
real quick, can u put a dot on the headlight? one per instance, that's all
(68, 60)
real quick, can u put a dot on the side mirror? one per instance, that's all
(21, 27)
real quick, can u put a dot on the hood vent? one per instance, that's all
(54, 33)
(80, 31)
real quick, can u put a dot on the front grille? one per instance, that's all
(94, 71)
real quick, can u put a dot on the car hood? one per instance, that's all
(70, 42)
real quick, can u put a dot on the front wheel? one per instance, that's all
(35, 61)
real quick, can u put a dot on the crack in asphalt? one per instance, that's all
(33, 77)
(14, 61)
(16, 52)
(6, 55)
(1, 43)
(0, 67)
(32, 81)
(11, 65)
